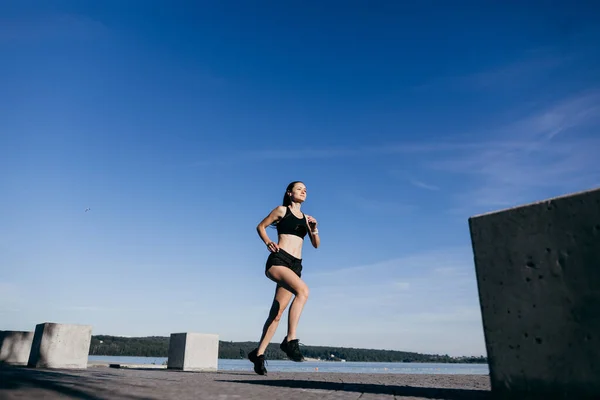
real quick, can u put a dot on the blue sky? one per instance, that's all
(180, 126)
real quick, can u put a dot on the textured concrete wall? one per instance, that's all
(15, 347)
(60, 346)
(193, 351)
(538, 274)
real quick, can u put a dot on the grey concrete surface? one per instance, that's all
(15, 347)
(60, 346)
(107, 383)
(538, 274)
(192, 351)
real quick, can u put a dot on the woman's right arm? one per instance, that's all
(277, 213)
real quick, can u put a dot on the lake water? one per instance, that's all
(322, 366)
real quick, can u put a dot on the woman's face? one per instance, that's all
(298, 193)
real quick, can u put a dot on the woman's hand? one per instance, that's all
(314, 232)
(312, 223)
(272, 246)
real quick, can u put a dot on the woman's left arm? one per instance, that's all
(315, 240)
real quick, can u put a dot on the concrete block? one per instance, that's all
(60, 346)
(193, 351)
(15, 347)
(538, 275)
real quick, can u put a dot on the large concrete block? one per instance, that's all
(60, 346)
(15, 347)
(538, 274)
(193, 351)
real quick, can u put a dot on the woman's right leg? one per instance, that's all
(292, 282)
(280, 302)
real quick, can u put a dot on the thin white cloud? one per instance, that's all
(559, 117)
(434, 260)
(420, 278)
(406, 175)
(423, 185)
(557, 155)
(533, 66)
(514, 73)
(364, 152)
(437, 150)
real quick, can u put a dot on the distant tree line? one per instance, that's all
(151, 346)
(158, 346)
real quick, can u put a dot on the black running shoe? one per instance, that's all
(293, 350)
(258, 361)
(283, 345)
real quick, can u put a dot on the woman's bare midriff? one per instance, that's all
(292, 244)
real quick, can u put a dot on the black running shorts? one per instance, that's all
(284, 258)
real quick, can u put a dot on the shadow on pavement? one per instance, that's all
(409, 391)
(60, 384)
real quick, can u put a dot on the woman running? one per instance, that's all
(284, 266)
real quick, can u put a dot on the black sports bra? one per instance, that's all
(292, 225)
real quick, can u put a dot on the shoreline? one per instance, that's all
(308, 359)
